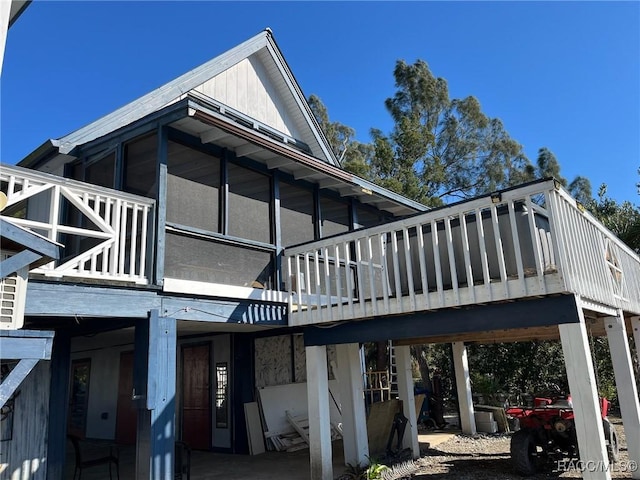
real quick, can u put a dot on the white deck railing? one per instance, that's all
(105, 232)
(527, 241)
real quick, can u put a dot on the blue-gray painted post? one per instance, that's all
(156, 340)
(277, 232)
(161, 206)
(224, 192)
(317, 213)
(58, 403)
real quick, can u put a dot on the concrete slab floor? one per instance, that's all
(208, 465)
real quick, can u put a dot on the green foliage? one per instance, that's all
(623, 219)
(441, 148)
(373, 471)
(351, 154)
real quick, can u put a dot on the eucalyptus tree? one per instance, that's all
(440, 148)
(352, 155)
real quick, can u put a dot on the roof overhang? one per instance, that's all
(212, 122)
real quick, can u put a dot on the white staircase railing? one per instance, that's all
(105, 233)
(533, 240)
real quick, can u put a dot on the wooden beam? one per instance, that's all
(247, 149)
(18, 261)
(586, 407)
(542, 312)
(155, 384)
(405, 394)
(213, 135)
(14, 379)
(278, 162)
(59, 403)
(25, 344)
(319, 416)
(463, 384)
(625, 384)
(354, 417)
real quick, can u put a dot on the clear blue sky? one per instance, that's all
(561, 75)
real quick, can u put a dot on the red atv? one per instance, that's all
(547, 433)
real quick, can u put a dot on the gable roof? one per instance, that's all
(262, 48)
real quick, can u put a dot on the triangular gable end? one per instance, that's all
(252, 78)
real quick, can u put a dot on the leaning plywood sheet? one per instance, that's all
(292, 397)
(254, 428)
(499, 416)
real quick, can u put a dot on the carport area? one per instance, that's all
(208, 465)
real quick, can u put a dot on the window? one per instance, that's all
(222, 393)
(249, 204)
(193, 188)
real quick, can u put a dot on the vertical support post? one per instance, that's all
(161, 208)
(319, 417)
(59, 403)
(354, 418)
(635, 327)
(154, 391)
(405, 393)
(625, 384)
(586, 407)
(463, 385)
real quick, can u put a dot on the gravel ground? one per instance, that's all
(487, 457)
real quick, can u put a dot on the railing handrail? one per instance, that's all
(109, 235)
(424, 217)
(532, 240)
(71, 183)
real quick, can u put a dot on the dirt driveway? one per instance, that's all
(486, 457)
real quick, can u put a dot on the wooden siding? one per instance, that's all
(247, 87)
(24, 456)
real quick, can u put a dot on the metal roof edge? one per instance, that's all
(301, 100)
(395, 197)
(40, 154)
(164, 94)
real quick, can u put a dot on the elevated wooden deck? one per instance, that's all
(530, 241)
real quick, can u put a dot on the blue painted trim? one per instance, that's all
(11, 383)
(58, 403)
(217, 237)
(480, 318)
(25, 347)
(38, 244)
(277, 230)
(224, 192)
(156, 418)
(54, 299)
(161, 215)
(17, 262)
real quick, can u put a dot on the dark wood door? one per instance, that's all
(196, 396)
(127, 414)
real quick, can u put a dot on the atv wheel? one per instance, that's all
(524, 452)
(611, 437)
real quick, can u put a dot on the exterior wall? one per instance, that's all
(24, 456)
(103, 383)
(246, 87)
(281, 360)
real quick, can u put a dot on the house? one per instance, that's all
(213, 247)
